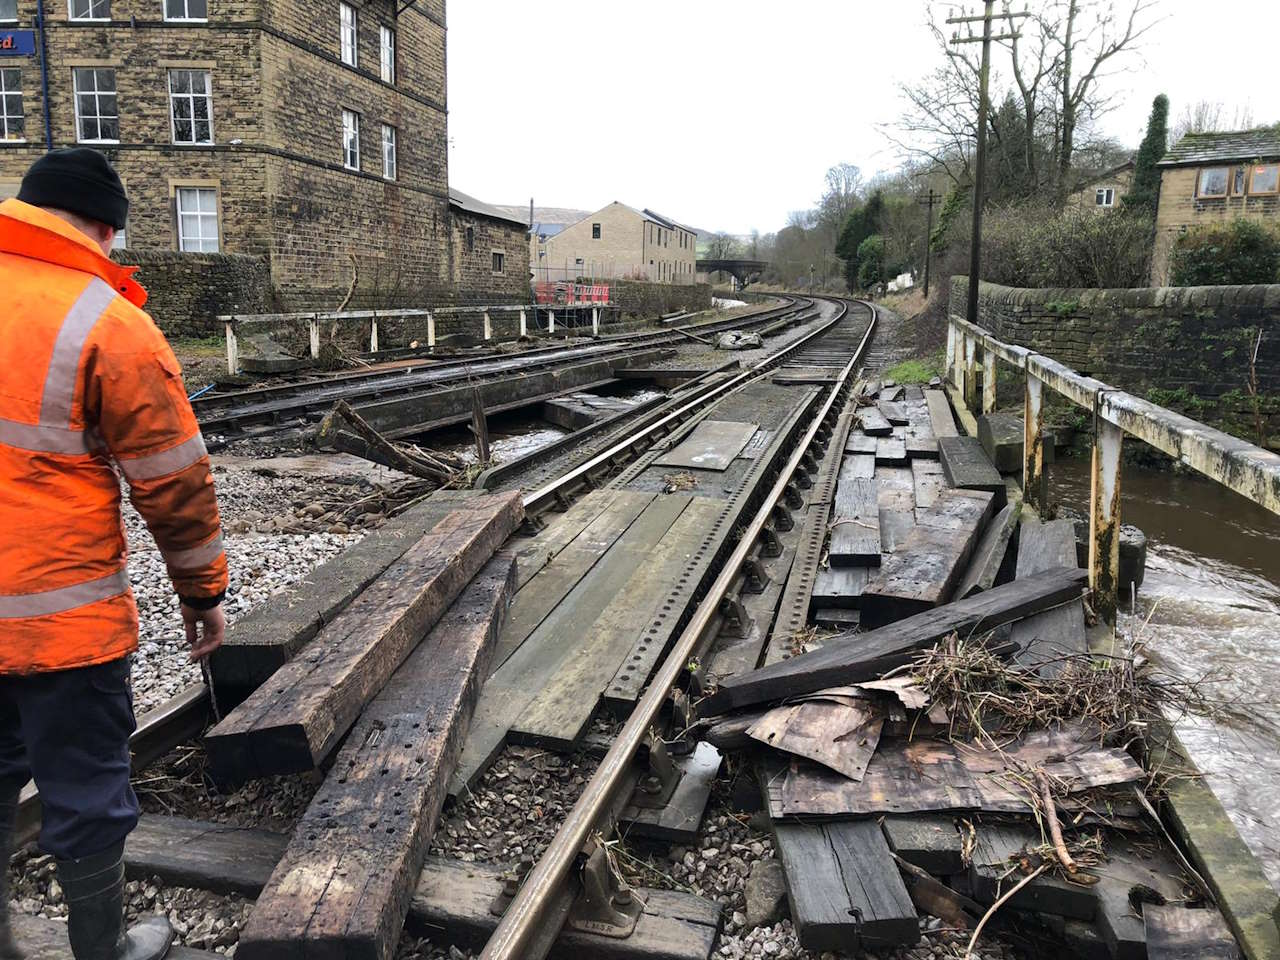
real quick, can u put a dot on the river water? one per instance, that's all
(1211, 608)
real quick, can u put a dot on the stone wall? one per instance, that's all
(187, 292)
(1188, 348)
(473, 241)
(649, 300)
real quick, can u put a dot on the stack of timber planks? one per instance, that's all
(295, 720)
(901, 538)
(917, 544)
(345, 881)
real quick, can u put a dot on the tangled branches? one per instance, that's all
(1115, 696)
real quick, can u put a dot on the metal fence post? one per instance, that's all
(595, 321)
(233, 348)
(1104, 517)
(551, 321)
(988, 378)
(970, 371)
(373, 334)
(431, 330)
(488, 326)
(1033, 480)
(951, 344)
(315, 338)
(524, 324)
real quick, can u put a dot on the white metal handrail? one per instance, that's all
(1236, 464)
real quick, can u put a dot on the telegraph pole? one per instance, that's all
(928, 201)
(980, 161)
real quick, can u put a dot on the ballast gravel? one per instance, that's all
(275, 533)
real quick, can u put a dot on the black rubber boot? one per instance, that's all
(8, 810)
(94, 891)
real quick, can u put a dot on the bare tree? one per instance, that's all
(1206, 116)
(1057, 60)
(722, 246)
(1034, 63)
(1088, 35)
(840, 197)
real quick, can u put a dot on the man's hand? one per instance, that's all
(214, 623)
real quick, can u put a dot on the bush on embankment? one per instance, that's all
(1033, 246)
(1236, 252)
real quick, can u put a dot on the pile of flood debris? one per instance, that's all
(954, 781)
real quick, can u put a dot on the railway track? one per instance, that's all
(539, 907)
(277, 409)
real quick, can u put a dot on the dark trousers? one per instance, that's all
(69, 731)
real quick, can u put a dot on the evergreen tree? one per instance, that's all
(862, 223)
(1145, 189)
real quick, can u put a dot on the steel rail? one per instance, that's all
(220, 403)
(540, 499)
(515, 932)
(259, 416)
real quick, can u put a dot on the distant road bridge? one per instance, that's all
(744, 271)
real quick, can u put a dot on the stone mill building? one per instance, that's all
(309, 135)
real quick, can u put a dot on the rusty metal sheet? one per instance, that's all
(712, 445)
(841, 736)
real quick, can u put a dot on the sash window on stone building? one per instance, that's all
(388, 51)
(12, 120)
(89, 9)
(197, 10)
(349, 34)
(191, 100)
(97, 108)
(351, 139)
(388, 151)
(197, 209)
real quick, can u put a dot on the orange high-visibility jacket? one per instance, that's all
(88, 387)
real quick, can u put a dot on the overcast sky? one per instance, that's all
(725, 114)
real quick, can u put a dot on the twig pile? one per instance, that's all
(985, 694)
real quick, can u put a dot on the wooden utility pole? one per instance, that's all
(980, 161)
(928, 201)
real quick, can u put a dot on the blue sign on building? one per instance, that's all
(17, 43)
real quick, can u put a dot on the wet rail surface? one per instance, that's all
(1210, 607)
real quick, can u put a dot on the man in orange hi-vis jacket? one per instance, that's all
(89, 392)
